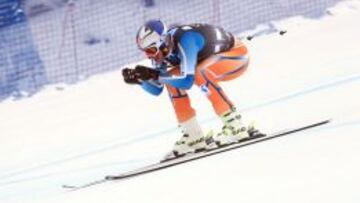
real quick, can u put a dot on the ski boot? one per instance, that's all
(233, 130)
(192, 141)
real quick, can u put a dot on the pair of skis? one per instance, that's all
(256, 138)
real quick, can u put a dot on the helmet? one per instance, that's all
(152, 37)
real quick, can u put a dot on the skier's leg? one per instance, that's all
(192, 139)
(231, 64)
(180, 101)
(223, 67)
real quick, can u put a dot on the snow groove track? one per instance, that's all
(200, 155)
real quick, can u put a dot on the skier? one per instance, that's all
(185, 55)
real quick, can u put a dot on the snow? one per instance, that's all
(310, 73)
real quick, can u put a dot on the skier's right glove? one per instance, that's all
(147, 73)
(131, 76)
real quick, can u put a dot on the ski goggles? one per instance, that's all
(154, 51)
(164, 46)
(151, 51)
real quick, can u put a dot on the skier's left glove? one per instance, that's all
(131, 76)
(146, 73)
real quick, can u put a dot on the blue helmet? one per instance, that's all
(152, 37)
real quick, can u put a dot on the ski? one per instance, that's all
(257, 138)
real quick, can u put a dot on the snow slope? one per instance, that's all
(310, 73)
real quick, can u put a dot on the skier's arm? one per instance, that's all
(152, 86)
(144, 76)
(189, 45)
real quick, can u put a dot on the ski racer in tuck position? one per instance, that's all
(185, 55)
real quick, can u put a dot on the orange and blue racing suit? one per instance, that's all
(203, 55)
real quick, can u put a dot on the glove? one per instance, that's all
(140, 73)
(146, 73)
(131, 76)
